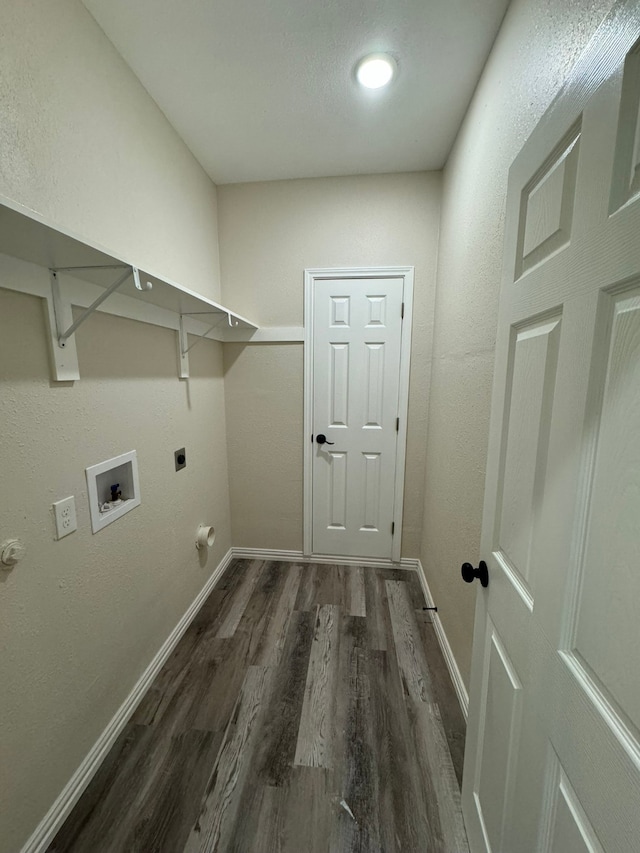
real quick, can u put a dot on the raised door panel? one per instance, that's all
(608, 579)
(339, 385)
(534, 358)
(376, 311)
(371, 486)
(337, 509)
(569, 829)
(373, 381)
(340, 313)
(626, 176)
(495, 771)
(546, 211)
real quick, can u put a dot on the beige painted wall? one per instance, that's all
(85, 147)
(81, 618)
(536, 47)
(269, 233)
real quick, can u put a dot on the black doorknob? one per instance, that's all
(322, 439)
(469, 573)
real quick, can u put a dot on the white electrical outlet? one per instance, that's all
(65, 514)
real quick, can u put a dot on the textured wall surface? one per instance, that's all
(263, 391)
(269, 233)
(537, 45)
(81, 618)
(85, 147)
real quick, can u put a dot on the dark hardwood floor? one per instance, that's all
(307, 709)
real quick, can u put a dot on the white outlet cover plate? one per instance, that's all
(65, 516)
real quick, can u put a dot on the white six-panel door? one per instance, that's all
(553, 746)
(356, 393)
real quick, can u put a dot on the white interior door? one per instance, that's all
(357, 325)
(553, 744)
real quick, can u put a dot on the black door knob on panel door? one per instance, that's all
(322, 439)
(469, 574)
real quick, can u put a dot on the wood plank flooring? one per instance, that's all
(307, 709)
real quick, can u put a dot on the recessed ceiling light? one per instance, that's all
(376, 70)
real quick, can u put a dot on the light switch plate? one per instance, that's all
(65, 515)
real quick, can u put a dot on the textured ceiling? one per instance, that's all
(266, 90)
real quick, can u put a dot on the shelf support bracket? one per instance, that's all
(198, 339)
(183, 351)
(65, 334)
(184, 346)
(62, 327)
(64, 360)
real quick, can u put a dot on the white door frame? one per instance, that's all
(310, 277)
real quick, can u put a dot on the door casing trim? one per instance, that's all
(310, 277)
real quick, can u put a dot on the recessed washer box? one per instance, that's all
(121, 470)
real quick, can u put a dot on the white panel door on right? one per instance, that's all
(357, 331)
(552, 762)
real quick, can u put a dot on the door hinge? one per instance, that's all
(402, 312)
(393, 527)
(397, 424)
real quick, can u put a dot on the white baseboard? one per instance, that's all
(452, 666)
(61, 808)
(407, 563)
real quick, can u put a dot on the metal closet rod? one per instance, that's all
(128, 270)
